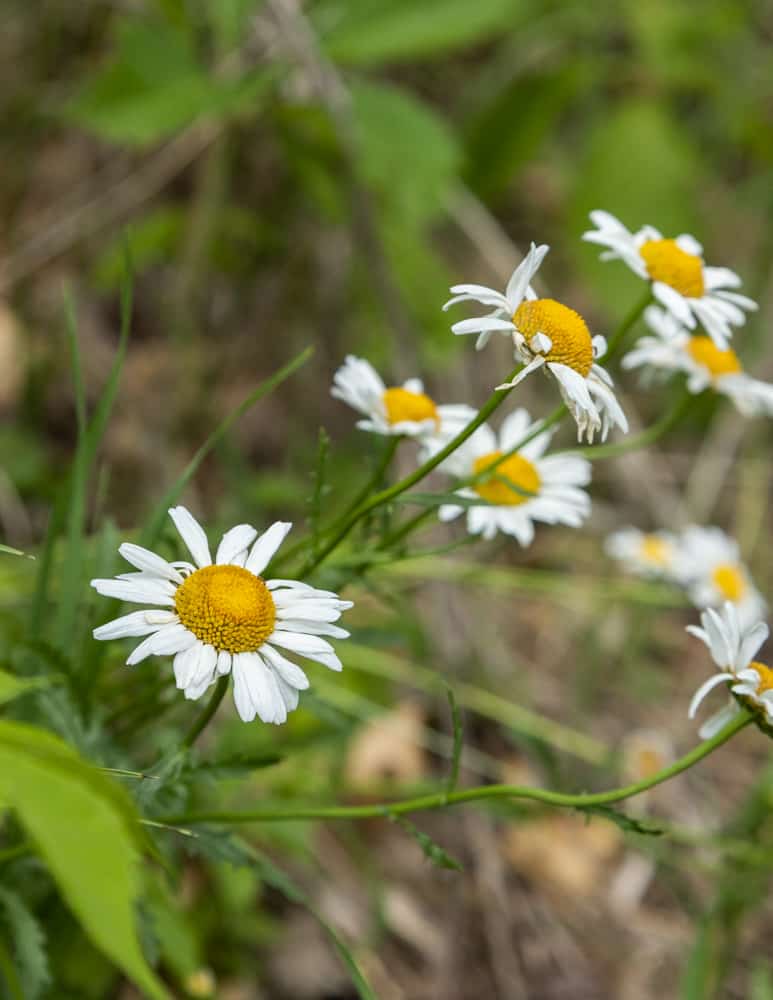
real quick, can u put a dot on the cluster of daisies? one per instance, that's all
(219, 617)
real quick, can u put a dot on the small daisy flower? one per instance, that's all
(673, 348)
(222, 617)
(502, 319)
(524, 488)
(404, 410)
(711, 568)
(733, 648)
(692, 292)
(649, 554)
(547, 333)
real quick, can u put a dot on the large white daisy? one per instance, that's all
(674, 348)
(692, 292)
(649, 554)
(548, 334)
(711, 568)
(401, 410)
(525, 487)
(222, 617)
(733, 648)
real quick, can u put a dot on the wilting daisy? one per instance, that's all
(732, 647)
(222, 617)
(525, 487)
(550, 334)
(650, 554)
(692, 292)
(405, 409)
(710, 566)
(673, 348)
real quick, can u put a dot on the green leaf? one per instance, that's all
(29, 943)
(369, 32)
(627, 823)
(11, 686)
(432, 851)
(237, 766)
(392, 126)
(86, 830)
(13, 552)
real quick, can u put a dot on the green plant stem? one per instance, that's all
(384, 496)
(406, 528)
(616, 341)
(439, 800)
(209, 710)
(643, 440)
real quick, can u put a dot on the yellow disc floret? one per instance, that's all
(400, 405)
(568, 331)
(730, 582)
(655, 550)
(705, 352)
(766, 677)
(667, 262)
(227, 607)
(512, 482)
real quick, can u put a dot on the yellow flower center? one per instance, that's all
(729, 580)
(766, 677)
(667, 262)
(513, 482)
(705, 352)
(227, 607)
(567, 330)
(655, 550)
(403, 405)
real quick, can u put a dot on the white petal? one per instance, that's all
(264, 548)
(290, 672)
(192, 534)
(167, 640)
(185, 664)
(310, 646)
(704, 689)
(149, 562)
(149, 590)
(134, 624)
(223, 663)
(482, 323)
(235, 542)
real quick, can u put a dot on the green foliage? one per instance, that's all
(629, 824)
(11, 687)
(432, 851)
(28, 943)
(86, 830)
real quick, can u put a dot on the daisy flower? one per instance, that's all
(524, 488)
(673, 348)
(711, 568)
(692, 292)
(550, 334)
(650, 554)
(733, 648)
(404, 410)
(222, 617)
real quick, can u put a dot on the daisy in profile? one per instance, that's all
(681, 282)
(525, 487)
(733, 648)
(222, 617)
(549, 335)
(400, 410)
(674, 348)
(711, 568)
(648, 554)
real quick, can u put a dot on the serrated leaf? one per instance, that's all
(29, 943)
(628, 823)
(368, 32)
(431, 850)
(86, 830)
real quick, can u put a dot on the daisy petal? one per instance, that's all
(192, 534)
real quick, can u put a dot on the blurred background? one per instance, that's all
(293, 174)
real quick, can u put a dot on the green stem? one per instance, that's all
(211, 707)
(615, 342)
(439, 800)
(384, 496)
(643, 440)
(406, 528)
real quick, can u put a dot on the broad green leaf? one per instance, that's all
(406, 151)
(86, 830)
(11, 686)
(369, 32)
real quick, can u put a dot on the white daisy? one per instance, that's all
(710, 566)
(650, 554)
(673, 348)
(524, 488)
(692, 292)
(506, 305)
(547, 333)
(405, 410)
(733, 648)
(222, 617)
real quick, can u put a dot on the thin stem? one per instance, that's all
(439, 800)
(406, 528)
(384, 496)
(209, 710)
(615, 342)
(657, 430)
